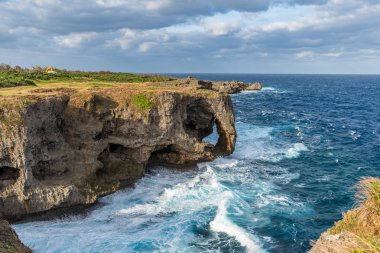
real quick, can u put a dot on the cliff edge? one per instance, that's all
(359, 230)
(9, 241)
(66, 144)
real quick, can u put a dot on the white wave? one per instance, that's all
(195, 194)
(224, 163)
(354, 135)
(264, 90)
(257, 142)
(274, 90)
(221, 223)
(277, 155)
(268, 89)
(296, 150)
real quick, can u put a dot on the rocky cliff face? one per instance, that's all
(66, 148)
(229, 87)
(9, 241)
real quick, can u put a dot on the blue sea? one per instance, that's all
(304, 141)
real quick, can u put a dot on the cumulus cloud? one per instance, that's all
(74, 39)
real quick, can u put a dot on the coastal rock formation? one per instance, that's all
(254, 86)
(229, 87)
(9, 241)
(63, 148)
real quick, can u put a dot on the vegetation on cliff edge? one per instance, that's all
(142, 102)
(17, 76)
(363, 223)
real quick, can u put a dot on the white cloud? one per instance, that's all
(73, 40)
(305, 55)
(220, 28)
(145, 46)
(311, 54)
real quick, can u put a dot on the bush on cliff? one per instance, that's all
(13, 82)
(142, 102)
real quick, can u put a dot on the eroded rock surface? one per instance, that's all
(9, 241)
(229, 87)
(67, 149)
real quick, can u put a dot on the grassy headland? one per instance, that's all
(17, 76)
(20, 88)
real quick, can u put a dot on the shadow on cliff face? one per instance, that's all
(199, 122)
(117, 162)
(205, 117)
(200, 119)
(8, 176)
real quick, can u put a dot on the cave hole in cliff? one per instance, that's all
(111, 157)
(167, 155)
(119, 163)
(200, 122)
(44, 170)
(9, 173)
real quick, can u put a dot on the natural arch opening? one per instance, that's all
(201, 123)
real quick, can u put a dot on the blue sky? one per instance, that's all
(228, 36)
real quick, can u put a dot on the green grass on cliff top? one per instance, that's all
(13, 77)
(363, 223)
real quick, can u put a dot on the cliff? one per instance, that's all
(9, 241)
(66, 144)
(359, 230)
(229, 87)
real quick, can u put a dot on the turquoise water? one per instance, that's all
(303, 142)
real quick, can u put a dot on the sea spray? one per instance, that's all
(222, 224)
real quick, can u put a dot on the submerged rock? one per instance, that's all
(67, 148)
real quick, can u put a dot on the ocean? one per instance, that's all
(304, 141)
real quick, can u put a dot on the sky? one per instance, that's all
(193, 36)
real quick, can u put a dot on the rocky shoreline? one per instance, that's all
(65, 148)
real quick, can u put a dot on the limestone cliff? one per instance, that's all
(9, 241)
(64, 147)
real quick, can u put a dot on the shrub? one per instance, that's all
(142, 102)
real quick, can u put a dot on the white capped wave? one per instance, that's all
(257, 143)
(264, 90)
(296, 150)
(272, 90)
(268, 89)
(222, 224)
(195, 194)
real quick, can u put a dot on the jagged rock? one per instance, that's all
(67, 149)
(254, 86)
(228, 87)
(9, 241)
